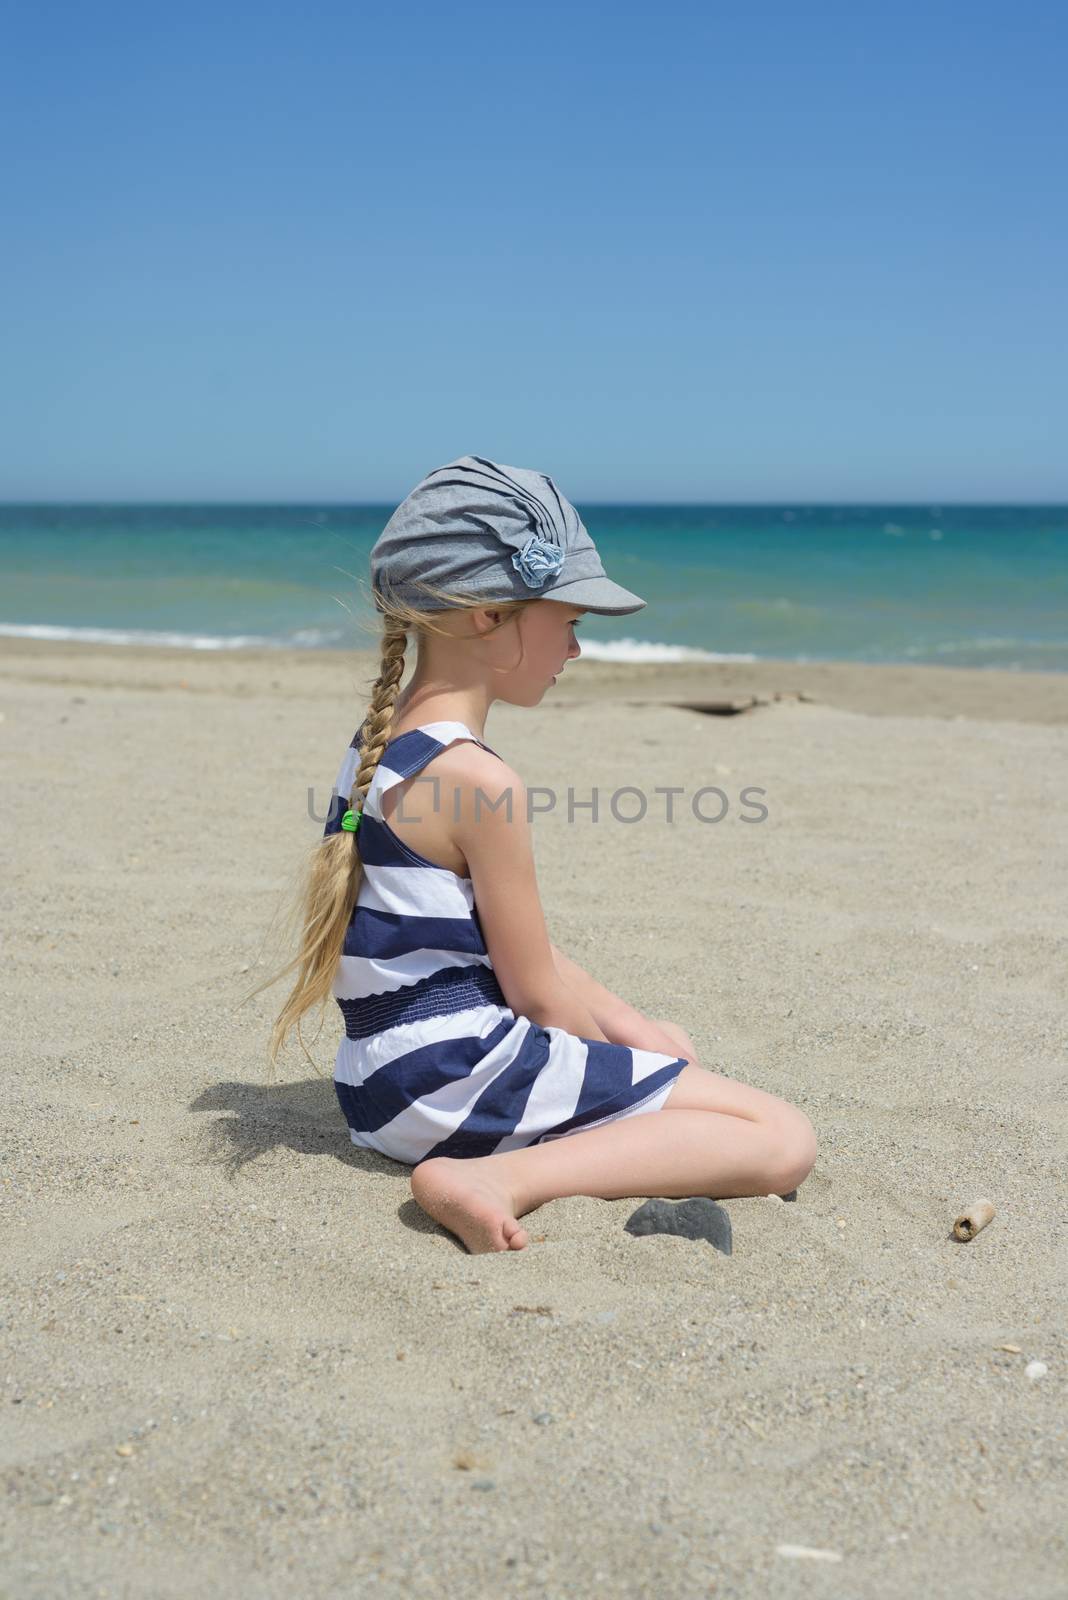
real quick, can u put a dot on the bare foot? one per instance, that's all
(468, 1198)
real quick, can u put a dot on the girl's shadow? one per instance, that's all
(303, 1117)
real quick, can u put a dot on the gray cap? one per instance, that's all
(500, 533)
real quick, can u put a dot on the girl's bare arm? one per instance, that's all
(619, 1022)
(495, 838)
(538, 980)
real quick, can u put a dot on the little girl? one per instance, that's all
(474, 1050)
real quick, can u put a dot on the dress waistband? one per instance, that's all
(452, 989)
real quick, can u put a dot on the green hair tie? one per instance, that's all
(351, 821)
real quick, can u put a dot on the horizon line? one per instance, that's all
(377, 505)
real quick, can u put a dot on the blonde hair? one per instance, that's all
(332, 880)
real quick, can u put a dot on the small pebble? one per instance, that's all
(697, 1218)
(483, 1483)
(543, 1417)
(1035, 1370)
(124, 1450)
(807, 1552)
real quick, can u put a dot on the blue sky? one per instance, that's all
(662, 252)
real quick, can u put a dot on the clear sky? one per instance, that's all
(769, 251)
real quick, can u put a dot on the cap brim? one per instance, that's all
(597, 594)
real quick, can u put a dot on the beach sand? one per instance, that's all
(239, 1359)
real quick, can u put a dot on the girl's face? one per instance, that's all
(547, 631)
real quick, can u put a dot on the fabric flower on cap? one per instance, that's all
(537, 561)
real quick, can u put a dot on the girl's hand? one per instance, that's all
(620, 1023)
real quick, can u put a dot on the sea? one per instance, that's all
(956, 585)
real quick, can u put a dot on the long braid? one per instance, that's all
(336, 870)
(379, 717)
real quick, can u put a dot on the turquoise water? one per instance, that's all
(957, 585)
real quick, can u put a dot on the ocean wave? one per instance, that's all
(981, 643)
(645, 650)
(649, 650)
(303, 639)
(981, 650)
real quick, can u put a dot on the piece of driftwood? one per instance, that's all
(716, 708)
(731, 708)
(969, 1223)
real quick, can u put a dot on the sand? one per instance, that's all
(238, 1358)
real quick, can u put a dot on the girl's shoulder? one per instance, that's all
(467, 765)
(429, 808)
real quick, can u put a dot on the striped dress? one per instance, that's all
(434, 1062)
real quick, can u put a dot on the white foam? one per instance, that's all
(648, 650)
(306, 639)
(320, 638)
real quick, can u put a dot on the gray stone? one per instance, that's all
(699, 1218)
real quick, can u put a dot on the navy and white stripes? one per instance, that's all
(434, 1062)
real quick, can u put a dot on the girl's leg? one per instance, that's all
(698, 1090)
(713, 1137)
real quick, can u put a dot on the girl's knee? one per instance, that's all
(795, 1154)
(678, 1035)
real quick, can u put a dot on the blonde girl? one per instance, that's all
(475, 1051)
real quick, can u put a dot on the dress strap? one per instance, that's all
(406, 755)
(402, 758)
